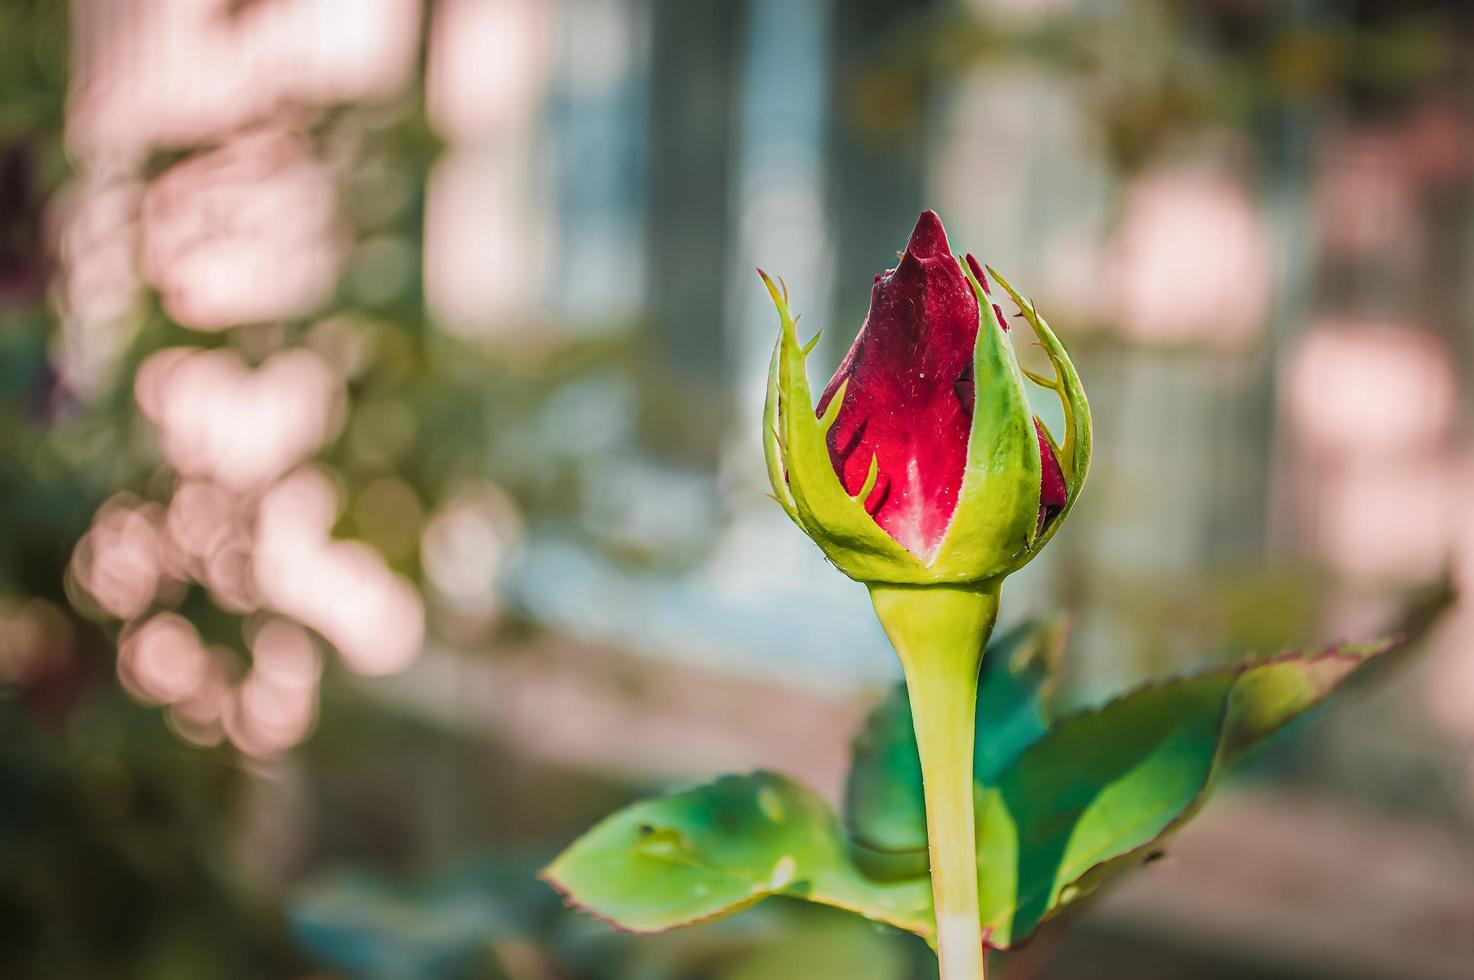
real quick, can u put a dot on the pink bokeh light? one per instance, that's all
(275, 706)
(209, 536)
(342, 589)
(244, 233)
(1365, 388)
(486, 234)
(1370, 407)
(490, 61)
(1191, 261)
(1387, 524)
(162, 661)
(220, 420)
(199, 718)
(99, 223)
(119, 562)
(151, 73)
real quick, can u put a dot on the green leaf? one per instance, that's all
(1058, 815)
(1063, 811)
(1102, 790)
(714, 850)
(884, 809)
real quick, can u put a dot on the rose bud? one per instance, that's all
(923, 463)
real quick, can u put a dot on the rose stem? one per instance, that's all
(940, 633)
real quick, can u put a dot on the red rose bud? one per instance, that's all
(923, 463)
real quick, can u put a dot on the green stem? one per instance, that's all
(940, 633)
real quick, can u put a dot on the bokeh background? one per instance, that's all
(380, 491)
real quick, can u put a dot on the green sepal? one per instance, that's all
(997, 510)
(773, 450)
(1074, 453)
(837, 522)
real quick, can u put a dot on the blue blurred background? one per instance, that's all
(381, 499)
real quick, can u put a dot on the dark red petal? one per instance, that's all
(978, 273)
(1053, 494)
(910, 397)
(982, 278)
(929, 238)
